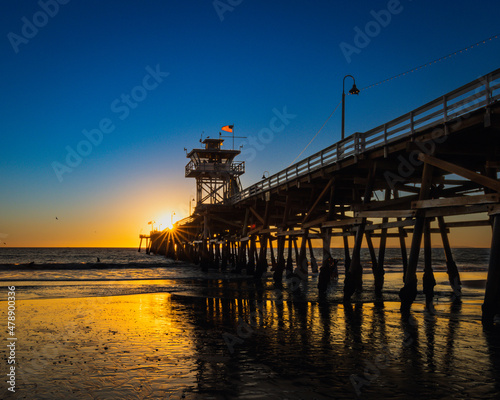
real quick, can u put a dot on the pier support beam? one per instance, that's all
(289, 261)
(280, 263)
(242, 257)
(327, 238)
(491, 305)
(402, 241)
(404, 253)
(213, 260)
(354, 275)
(217, 253)
(453, 275)
(262, 264)
(224, 255)
(204, 261)
(409, 291)
(233, 254)
(271, 248)
(302, 264)
(251, 256)
(314, 263)
(428, 280)
(347, 252)
(297, 257)
(379, 272)
(345, 239)
(262, 258)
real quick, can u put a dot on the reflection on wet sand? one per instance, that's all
(299, 349)
(224, 341)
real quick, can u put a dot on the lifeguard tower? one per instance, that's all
(217, 174)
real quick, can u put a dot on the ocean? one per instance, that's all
(138, 326)
(48, 272)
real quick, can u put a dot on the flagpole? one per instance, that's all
(230, 129)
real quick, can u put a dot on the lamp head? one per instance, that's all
(354, 89)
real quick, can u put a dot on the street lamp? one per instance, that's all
(354, 90)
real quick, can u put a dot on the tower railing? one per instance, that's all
(234, 168)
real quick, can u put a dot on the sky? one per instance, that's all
(99, 99)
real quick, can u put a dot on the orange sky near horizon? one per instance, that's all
(116, 230)
(110, 213)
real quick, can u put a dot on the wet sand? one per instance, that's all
(232, 339)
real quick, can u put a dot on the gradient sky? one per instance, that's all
(226, 64)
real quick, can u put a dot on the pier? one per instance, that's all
(147, 243)
(426, 172)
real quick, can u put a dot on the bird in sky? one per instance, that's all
(57, 218)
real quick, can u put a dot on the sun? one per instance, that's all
(166, 221)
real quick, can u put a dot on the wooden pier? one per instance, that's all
(147, 243)
(403, 179)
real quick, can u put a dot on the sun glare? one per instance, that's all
(166, 221)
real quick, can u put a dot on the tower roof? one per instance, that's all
(213, 150)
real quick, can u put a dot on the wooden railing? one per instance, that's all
(472, 96)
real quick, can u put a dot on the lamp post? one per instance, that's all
(354, 90)
(191, 199)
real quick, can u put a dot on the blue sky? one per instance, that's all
(226, 64)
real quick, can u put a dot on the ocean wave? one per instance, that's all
(85, 266)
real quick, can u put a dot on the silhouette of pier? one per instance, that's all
(423, 173)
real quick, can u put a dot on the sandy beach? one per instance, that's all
(225, 339)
